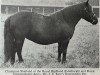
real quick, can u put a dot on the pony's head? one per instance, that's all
(88, 14)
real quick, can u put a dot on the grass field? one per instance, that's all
(82, 52)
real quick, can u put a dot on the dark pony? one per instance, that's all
(55, 28)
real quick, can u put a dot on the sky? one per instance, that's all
(3, 1)
(59, 2)
(43, 2)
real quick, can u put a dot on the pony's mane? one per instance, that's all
(69, 7)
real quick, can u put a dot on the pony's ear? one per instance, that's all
(87, 2)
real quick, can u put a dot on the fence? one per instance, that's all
(10, 9)
(45, 10)
(96, 10)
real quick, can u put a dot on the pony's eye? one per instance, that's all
(85, 9)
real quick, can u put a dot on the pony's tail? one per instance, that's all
(7, 41)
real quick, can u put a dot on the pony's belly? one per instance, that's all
(44, 41)
(44, 37)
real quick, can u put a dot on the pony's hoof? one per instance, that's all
(59, 60)
(63, 62)
(12, 62)
(21, 61)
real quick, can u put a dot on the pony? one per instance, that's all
(57, 27)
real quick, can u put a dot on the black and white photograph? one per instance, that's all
(49, 34)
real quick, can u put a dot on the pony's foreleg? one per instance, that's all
(19, 45)
(65, 45)
(59, 52)
(62, 49)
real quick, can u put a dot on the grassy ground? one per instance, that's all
(82, 52)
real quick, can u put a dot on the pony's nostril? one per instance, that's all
(95, 22)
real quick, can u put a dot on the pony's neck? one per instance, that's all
(72, 15)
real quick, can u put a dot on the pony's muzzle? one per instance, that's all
(94, 22)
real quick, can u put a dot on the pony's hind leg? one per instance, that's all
(19, 44)
(12, 60)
